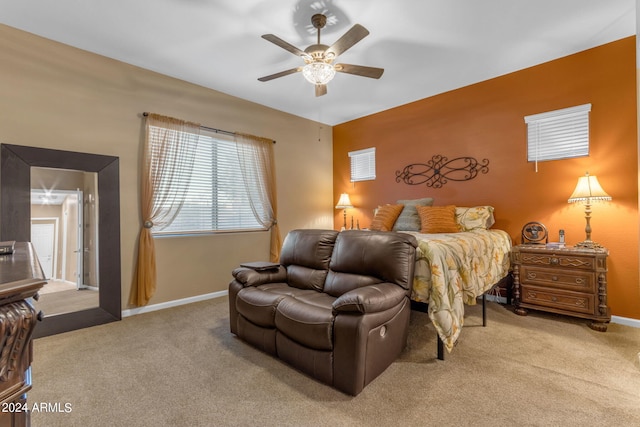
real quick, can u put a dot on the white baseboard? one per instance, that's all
(625, 321)
(175, 303)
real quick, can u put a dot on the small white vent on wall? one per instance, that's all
(559, 134)
(363, 164)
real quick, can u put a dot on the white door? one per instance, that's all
(43, 240)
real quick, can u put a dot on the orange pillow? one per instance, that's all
(385, 217)
(438, 219)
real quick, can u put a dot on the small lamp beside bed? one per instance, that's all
(587, 190)
(344, 203)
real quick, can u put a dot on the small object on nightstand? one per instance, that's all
(534, 233)
(570, 281)
(554, 245)
(7, 247)
(561, 237)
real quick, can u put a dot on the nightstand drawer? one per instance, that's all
(575, 280)
(559, 260)
(569, 301)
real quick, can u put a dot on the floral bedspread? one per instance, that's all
(452, 269)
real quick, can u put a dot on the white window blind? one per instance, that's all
(216, 199)
(363, 164)
(559, 134)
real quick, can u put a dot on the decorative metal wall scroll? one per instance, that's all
(440, 170)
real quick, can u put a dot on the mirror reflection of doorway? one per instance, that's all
(63, 233)
(15, 223)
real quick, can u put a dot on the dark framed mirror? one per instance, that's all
(15, 224)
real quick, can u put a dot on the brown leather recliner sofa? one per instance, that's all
(337, 307)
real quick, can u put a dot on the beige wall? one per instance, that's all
(55, 96)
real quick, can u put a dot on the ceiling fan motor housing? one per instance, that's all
(317, 53)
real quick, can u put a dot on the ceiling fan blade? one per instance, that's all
(280, 74)
(360, 70)
(351, 37)
(321, 90)
(283, 44)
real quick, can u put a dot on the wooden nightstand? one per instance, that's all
(570, 281)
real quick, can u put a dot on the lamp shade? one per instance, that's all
(588, 189)
(344, 202)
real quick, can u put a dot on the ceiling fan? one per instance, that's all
(319, 68)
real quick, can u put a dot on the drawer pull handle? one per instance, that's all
(531, 275)
(580, 281)
(554, 278)
(554, 299)
(554, 260)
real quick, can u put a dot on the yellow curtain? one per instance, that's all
(257, 164)
(167, 158)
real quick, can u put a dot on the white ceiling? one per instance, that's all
(426, 46)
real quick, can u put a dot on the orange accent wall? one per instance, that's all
(486, 120)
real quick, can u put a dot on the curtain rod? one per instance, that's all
(224, 132)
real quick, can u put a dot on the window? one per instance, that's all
(216, 196)
(363, 164)
(559, 134)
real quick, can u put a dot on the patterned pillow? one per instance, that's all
(385, 217)
(478, 217)
(409, 220)
(438, 219)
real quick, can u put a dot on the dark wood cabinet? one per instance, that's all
(570, 281)
(20, 279)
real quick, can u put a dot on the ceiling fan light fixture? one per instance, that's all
(318, 58)
(318, 72)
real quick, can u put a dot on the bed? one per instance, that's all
(456, 263)
(453, 269)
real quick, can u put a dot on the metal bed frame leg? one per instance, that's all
(484, 323)
(484, 309)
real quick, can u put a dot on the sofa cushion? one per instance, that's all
(258, 306)
(309, 324)
(338, 283)
(306, 255)
(303, 277)
(363, 258)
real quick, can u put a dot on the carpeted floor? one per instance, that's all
(182, 367)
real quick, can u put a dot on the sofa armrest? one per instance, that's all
(370, 299)
(250, 277)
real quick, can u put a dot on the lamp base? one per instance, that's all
(588, 244)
